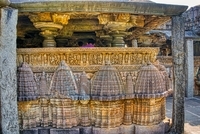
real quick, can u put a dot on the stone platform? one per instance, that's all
(192, 123)
(161, 128)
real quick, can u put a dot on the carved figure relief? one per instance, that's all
(86, 59)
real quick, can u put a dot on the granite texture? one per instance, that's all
(189, 68)
(8, 79)
(179, 73)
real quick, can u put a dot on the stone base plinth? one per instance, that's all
(65, 131)
(123, 129)
(29, 131)
(160, 128)
(153, 129)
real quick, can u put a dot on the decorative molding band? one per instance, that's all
(86, 59)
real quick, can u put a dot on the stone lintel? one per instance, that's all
(179, 74)
(8, 85)
(98, 6)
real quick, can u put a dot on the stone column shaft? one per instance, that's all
(189, 68)
(134, 43)
(179, 74)
(8, 79)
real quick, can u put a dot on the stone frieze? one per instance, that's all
(86, 59)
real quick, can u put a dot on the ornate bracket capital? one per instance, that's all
(61, 18)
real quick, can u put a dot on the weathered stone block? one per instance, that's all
(153, 129)
(29, 131)
(86, 130)
(44, 131)
(128, 129)
(65, 131)
(123, 129)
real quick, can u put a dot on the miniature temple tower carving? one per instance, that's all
(107, 93)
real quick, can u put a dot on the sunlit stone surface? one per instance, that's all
(108, 99)
(107, 93)
(150, 92)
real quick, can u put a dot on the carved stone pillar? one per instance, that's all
(49, 24)
(43, 86)
(179, 74)
(190, 68)
(107, 40)
(116, 25)
(118, 39)
(134, 43)
(8, 85)
(49, 32)
(84, 100)
(129, 85)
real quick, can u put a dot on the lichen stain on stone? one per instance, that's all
(9, 14)
(11, 126)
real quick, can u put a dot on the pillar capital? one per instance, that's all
(49, 30)
(118, 38)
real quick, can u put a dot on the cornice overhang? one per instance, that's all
(4, 3)
(98, 6)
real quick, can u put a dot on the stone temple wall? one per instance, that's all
(107, 100)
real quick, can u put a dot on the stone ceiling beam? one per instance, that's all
(152, 24)
(99, 6)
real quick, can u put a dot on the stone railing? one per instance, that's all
(85, 59)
